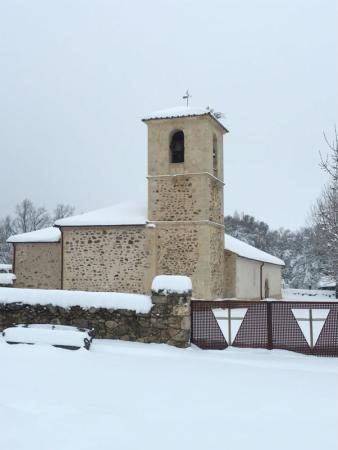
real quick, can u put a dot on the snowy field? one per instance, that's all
(305, 295)
(133, 396)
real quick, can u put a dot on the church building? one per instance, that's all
(179, 231)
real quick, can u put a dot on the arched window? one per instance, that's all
(177, 147)
(214, 155)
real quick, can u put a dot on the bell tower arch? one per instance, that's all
(185, 196)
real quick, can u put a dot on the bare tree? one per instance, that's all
(62, 211)
(325, 213)
(29, 218)
(329, 163)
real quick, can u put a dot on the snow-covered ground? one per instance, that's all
(122, 395)
(305, 295)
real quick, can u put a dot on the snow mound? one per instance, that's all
(169, 284)
(7, 278)
(67, 299)
(49, 234)
(127, 213)
(47, 335)
(248, 251)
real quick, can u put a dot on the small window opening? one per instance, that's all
(214, 155)
(177, 147)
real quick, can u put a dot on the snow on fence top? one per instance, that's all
(180, 111)
(169, 284)
(49, 234)
(248, 251)
(67, 299)
(127, 213)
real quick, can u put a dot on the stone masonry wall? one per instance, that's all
(217, 261)
(194, 250)
(229, 274)
(168, 321)
(116, 259)
(177, 249)
(185, 198)
(38, 265)
(199, 133)
(215, 201)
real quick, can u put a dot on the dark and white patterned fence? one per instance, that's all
(305, 327)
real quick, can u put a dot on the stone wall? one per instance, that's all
(116, 259)
(168, 321)
(185, 198)
(37, 265)
(215, 200)
(199, 133)
(194, 250)
(216, 261)
(186, 201)
(229, 274)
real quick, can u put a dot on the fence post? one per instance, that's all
(269, 325)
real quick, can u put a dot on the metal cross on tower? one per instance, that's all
(186, 97)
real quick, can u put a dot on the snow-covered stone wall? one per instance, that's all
(166, 320)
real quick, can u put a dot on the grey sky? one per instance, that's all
(76, 77)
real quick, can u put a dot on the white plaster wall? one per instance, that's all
(247, 279)
(273, 274)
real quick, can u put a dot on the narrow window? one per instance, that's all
(214, 155)
(177, 147)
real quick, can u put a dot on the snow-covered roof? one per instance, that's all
(181, 111)
(127, 213)
(49, 234)
(248, 251)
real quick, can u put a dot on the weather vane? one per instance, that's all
(186, 97)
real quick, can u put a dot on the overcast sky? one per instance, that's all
(77, 76)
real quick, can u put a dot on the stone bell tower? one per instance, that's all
(185, 196)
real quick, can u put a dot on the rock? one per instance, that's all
(110, 324)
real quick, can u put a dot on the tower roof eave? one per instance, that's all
(183, 111)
